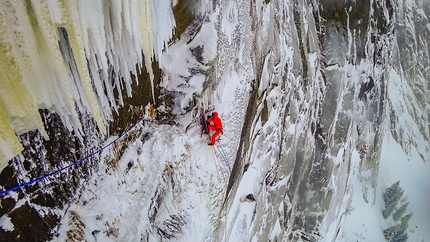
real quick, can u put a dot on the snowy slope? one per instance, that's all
(324, 107)
(166, 183)
(332, 133)
(152, 192)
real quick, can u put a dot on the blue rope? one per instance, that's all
(83, 159)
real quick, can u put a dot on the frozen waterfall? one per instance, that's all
(324, 106)
(69, 56)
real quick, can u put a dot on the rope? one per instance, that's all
(223, 155)
(86, 157)
(219, 166)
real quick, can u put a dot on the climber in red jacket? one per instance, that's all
(217, 126)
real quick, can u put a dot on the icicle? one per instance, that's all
(69, 56)
(164, 24)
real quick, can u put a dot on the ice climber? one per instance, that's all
(217, 126)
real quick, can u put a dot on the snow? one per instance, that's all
(104, 33)
(6, 223)
(178, 63)
(162, 182)
(229, 19)
(145, 167)
(412, 171)
(362, 220)
(165, 174)
(356, 217)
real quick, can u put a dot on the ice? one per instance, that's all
(64, 55)
(167, 176)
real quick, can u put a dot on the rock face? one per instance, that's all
(63, 69)
(35, 209)
(319, 103)
(322, 73)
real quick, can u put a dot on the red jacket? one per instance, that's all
(217, 121)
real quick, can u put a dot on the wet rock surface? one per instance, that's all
(34, 210)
